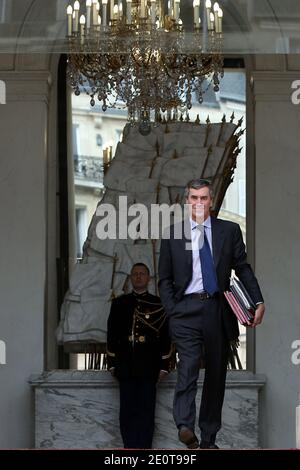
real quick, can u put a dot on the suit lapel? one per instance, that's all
(186, 241)
(218, 237)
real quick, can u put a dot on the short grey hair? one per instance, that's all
(197, 184)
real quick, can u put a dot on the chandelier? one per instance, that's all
(137, 54)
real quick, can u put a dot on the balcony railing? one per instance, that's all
(88, 168)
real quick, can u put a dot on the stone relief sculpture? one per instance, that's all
(147, 170)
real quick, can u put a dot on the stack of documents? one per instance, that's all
(240, 301)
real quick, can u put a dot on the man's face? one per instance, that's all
(139, 278)
(200, 203)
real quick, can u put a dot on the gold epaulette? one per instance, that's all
(119, 296)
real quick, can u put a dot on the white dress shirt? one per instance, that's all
(196, 283)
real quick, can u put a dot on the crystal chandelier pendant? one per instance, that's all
(136, 54)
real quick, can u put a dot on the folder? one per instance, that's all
(240, 302)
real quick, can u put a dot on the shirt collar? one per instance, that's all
(207, 223)
(135, 293)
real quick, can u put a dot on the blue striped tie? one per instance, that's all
(209, 276)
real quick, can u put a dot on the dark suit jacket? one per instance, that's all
(138, 345)
(176, 263)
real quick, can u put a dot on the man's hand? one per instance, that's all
(259, 313)
(112, 371)
(162, 375)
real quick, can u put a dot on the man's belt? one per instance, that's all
(202, 295)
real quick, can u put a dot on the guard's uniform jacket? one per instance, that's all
(138, 343)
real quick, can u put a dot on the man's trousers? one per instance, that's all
(196, 329)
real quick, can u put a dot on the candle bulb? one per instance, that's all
(196, 5)
(88, 14)
(76, 16)
(143, 8)
(116, 12)
(216, 9)
(153, 12)
(74, 26)
(70, 18)
(220, 19)
(212, 22)
(112, 3)
(176, 10)
(82, 24)
(120, 11)
(95, 12)
(104, 12)
(208, 7)
(105, 157)
(128, 12)
(99, 20)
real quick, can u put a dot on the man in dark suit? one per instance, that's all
(139, 355)
(194, 271)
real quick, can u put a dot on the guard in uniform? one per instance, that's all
(138, 355)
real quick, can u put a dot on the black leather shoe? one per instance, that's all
(208, 445)
(188, 437)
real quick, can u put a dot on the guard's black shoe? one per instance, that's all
(188, 437)
(208, 445)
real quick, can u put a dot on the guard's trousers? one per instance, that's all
(137, 412)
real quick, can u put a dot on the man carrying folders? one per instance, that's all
(191, 286)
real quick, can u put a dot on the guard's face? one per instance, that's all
(200, 203)
(139, 278)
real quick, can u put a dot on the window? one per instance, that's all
(89, 136)
(99, 140)
(89, 181)
(81, 229)
(76, 140)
